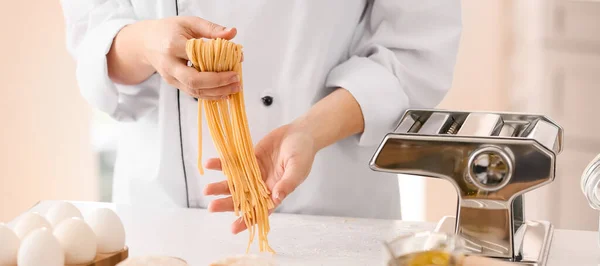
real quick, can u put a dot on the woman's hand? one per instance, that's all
(150, 46)
(285, 157)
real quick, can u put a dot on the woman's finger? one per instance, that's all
(213, 164)
(199, 28)
(193, 79)
(217, 189)
(189, 77)
(176, 84)
(177, 47)
(202, 28)
(194, 93)
(221, 205)
(220, 91)
(291, 179)
(239, 225)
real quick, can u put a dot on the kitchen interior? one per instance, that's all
(540, 57)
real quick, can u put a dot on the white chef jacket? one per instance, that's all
(389, 54)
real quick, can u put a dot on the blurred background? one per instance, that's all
(526, 56)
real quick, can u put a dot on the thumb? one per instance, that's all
(202, 28)
(291, 179)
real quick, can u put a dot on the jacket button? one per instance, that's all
(267, 100)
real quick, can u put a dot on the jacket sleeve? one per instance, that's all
(402, 56)
(90, 29)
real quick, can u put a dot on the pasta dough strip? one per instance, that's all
(228, 125)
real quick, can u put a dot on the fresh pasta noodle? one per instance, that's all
(228, 127)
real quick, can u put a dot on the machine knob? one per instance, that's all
(490, 168)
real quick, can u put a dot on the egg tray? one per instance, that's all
(111, 259)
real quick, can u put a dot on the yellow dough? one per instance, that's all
(228, 126)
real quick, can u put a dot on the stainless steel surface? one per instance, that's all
(406, 124)
(519, 120)
(435, 124)
(508, 130)
(484, 215)
(545, 133)
(480, 124)
(535, 245)
(489, 169)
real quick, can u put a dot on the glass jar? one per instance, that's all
(424, 249)
(590, 184)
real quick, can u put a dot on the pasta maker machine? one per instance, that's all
(491, 159)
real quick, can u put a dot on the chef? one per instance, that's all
(324, 81)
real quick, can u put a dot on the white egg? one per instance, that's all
(109, 230)
(40, 247)
(62, 211)
(9, 246)
(29, 222)
(77, 240)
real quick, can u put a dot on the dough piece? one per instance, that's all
(244, 260)
(153, 261)
(228, 126)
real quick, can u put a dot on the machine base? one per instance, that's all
(536, 236)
